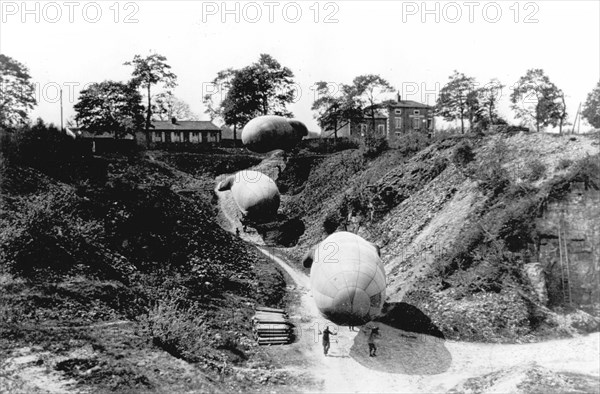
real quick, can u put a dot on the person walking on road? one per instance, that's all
(372, 332)
(326, 333)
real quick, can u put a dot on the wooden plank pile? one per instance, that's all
(272, 327)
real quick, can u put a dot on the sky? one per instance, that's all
(415, 45)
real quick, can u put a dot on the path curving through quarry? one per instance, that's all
(341, 373)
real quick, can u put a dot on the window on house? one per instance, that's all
(416, 123)
(363, 128)
(398, 133)
(398, 122)
(381, 129)
(398, 111)
(416, 112)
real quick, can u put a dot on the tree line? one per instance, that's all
(266, 87)
(535, 99)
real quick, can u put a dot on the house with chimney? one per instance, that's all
(393, 120)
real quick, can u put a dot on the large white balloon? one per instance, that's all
(266, 133)
(347, 278)
(255, 194)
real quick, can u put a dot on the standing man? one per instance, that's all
(326, 343)
(372, 332)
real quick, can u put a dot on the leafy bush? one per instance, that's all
(188, 331)
(535, 171)
(180, 331)
(373, 146)
(462, 155)
(48, 232)
(40, 146)
(328, 145)
(412, 142)
(563, 164)
(489, 170)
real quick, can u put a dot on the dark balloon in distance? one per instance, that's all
(269, 132)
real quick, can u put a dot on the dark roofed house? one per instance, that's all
(179, 132)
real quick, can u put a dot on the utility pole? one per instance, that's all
(575, 120)
(61, 111)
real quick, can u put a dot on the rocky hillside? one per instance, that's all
(469, 228)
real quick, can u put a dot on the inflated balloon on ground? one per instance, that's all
(255, 194)
(347, 278)
(266, 133)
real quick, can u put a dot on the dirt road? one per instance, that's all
(341, 373)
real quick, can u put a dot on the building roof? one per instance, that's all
(77, 132)
(185, 125)
(409, 104)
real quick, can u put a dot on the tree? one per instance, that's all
(148, 71)
(473, 107)
(335, 111)
(110, 106)
(39, 145)
(166, 106)
(488, 97)
(262, 88)
(367, 89)
(458, 99)
(214, 100)
(591, 108)
(16, 92)
(273, 84)
(559, 113)
(537, 100)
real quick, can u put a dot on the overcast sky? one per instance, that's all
(414, 45)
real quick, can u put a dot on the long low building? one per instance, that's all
(179, 131)
(160, 134)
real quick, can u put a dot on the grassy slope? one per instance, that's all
(137, 247)
(444, 227)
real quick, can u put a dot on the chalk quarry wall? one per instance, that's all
(577, 218)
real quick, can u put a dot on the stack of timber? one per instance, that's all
(271, 326)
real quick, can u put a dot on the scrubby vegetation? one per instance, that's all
(119, 243)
